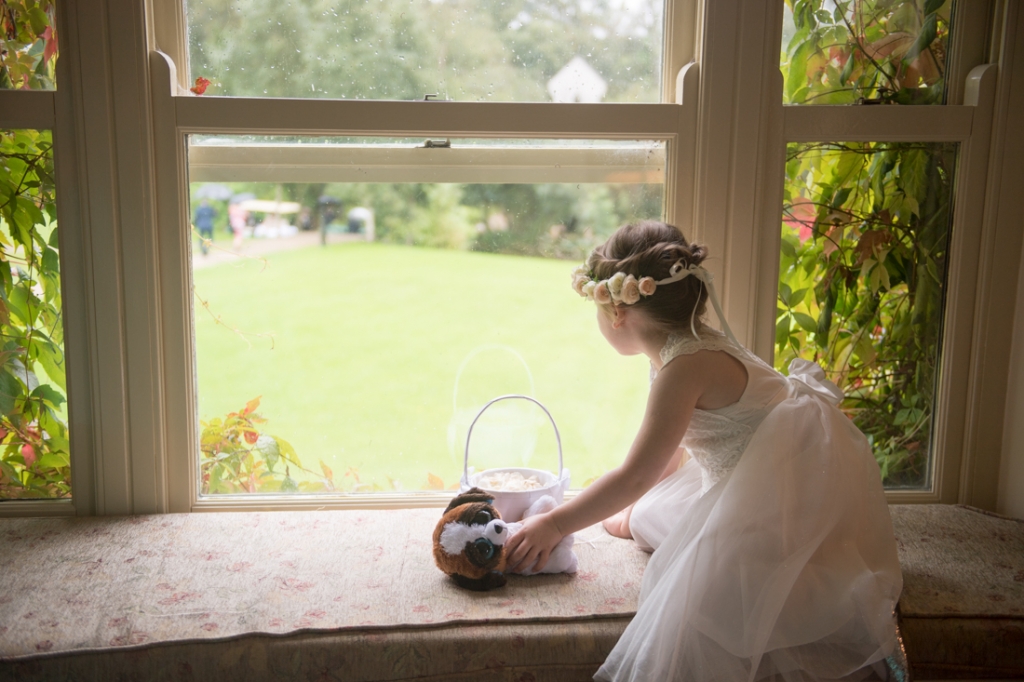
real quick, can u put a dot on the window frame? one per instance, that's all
(967, 119)
(118, 141)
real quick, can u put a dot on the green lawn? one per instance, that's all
(367, 342)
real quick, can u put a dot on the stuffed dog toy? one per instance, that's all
(469, 541)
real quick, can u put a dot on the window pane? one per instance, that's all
(28, 45)
(466, 50)
(372, 321)
(865, 235)
(34, 451)
(843, 51)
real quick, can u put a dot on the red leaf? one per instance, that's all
(251, 406)
(50, 38)
(200, 86)
(328, 474)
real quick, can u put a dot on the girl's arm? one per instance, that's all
(618, 524)
(670, 405)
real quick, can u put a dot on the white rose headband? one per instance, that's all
(623, 289)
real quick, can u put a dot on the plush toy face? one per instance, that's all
(469, 541)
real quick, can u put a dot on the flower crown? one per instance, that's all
(625, 289)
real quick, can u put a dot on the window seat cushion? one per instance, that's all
(285, 595)
(354, 595)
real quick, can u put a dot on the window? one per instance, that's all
(486, 180)
(869, 237)
(35, 457)
(369, 313)
(127, 134)
(35, 460)
(462, 50)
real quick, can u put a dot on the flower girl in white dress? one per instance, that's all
(774, 555)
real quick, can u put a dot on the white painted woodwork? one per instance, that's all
(1001, 246)
(635, 163)
(877, 123)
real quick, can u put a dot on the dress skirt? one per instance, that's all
(784, 569)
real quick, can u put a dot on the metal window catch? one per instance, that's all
(437, 144)
(430, 98)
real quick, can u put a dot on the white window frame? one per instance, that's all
(119, 154)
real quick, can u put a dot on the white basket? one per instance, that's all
(512, 503)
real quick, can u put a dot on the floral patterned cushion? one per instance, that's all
(295, 595)
(96, 594)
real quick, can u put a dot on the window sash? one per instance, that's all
(969, 124)
(175, 117)
(352, 163)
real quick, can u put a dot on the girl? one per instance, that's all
(774, 554)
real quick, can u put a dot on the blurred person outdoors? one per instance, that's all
(237, 218)
(205, 215)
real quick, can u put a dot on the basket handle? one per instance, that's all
(558, 437)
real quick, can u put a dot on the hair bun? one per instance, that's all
(690, 254)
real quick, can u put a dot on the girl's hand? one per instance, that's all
(533, 543)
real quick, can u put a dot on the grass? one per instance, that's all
(368, 341)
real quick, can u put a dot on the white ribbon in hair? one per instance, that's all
(678, 272)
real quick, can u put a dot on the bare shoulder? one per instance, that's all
(717, 378)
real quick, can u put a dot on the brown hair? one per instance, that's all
(649, 249)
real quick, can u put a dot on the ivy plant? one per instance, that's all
(28, 45)
(34, 459)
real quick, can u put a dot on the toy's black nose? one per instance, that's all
(499, 528)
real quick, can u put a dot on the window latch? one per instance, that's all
(437, 144)
(431, 98)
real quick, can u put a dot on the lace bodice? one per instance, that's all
(716, 439)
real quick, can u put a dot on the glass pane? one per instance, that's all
(364, 324)
(865, 236)
(34, 451)
(466, 50)
(28, 45)
(848, 51)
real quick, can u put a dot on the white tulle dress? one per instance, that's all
(774, 555)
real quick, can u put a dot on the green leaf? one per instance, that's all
(925, 38)
(825, 318)
(51, 396)
(806, 322)
(10, 388)
(287, 451)
(931, 6)
(267, 448)
(38, 19)
(782, 330)
(53, 460)
(51, 262)
(840, 197)
(784, 293)
(797, 75)
(787, 248)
